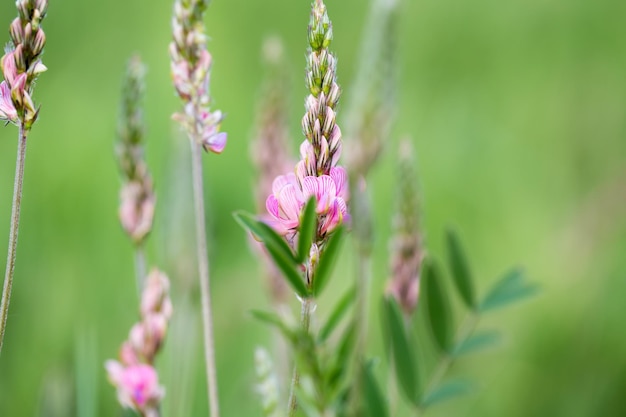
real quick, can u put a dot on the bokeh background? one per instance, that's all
(517, 110)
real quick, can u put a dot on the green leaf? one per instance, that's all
(308, 228)
(376, 404)
(438, 311)
(265, 233)
(404, 360)
(293, 276)
(460, 269)
(327, 261)
(511, 288)
(337, 314)
(272, 319)
(446, 391)
(476, 342)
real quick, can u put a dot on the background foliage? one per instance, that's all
(518, 110)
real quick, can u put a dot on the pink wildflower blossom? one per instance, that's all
(289, 197)
(137, 385)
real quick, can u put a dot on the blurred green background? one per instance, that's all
(518, 114)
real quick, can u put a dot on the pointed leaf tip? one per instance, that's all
(460, 269)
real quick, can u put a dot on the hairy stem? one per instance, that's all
(15, 222)
(140, 267)
(203, 267)
(305, 322)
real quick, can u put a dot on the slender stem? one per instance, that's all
(203, 266)
(305, 322)
(15, 222)
(447, 360)
(140, 267)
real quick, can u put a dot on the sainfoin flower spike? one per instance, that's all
(191, 69)
(137, 197)
(316, 174)
(407, 251)
(134, 374)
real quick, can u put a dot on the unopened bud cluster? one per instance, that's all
(406, 245)
(191, 69)
(316, 174)
(137, 195)
(21, 63)
(134, 374)
(322, 149)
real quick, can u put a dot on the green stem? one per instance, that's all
(15, 221)
(203, 266)
(447, 360)
(305, 322)
(140, 267)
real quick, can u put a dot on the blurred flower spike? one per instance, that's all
(134, 375)
(191, 71)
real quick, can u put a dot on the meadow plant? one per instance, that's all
(134, 375)
(306, 206)
(21, 66)
(190, 66)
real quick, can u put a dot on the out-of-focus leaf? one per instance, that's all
(460, 269)
(308, 227)
(337, 314)
(376, 404)
(511, 288)
(327, 261)
(403, 353)
(289, 270)
(274, 320)
(476, 342)
(446, 391)
(341, 358)
(439, 313)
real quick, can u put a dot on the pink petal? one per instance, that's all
(326, 193)
(290, 200)
(309, 187)
(216, 143)
(339, 176)
(271, 204)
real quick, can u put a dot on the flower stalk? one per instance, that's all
(20, 65)
(190, 66)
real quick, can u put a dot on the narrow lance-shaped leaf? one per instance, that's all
(511, 288)
(403, 353)
(327, 261)
(337, 314)
(376, 404)
(265, 233)
(460, 269)
(273, 319)
(446, 391)
(308, 227)
(476, 342)
(439, 313)
(277, 249)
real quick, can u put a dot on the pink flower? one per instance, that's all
(288, 197)
(155, 296)
(212, 139)
(7, 109)
(137, 385)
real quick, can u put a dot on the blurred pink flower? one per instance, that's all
(137, 385)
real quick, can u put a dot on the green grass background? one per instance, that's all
(518, 114)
